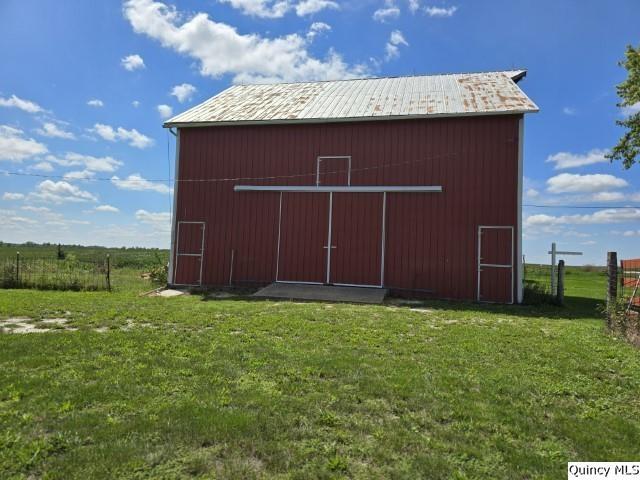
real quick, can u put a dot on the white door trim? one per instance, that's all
(328, 246)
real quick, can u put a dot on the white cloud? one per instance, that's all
(15, 147)
(17, 102)
(574, 183)
(279, 8)
(106, 208)
(221, 50)
(95, 164)
(564, 160)
(316, 29)
(261, 8)
(50, 129)
(631, 109)
(79, 175)
(392, 47)
(569, 111)
(111, 134)
(609, 215)
(135, 104)
(42, 166)
(165, 111)
(387, 13)
(31, 208)
(95, 102)
(59, 192)
(12, 196)
(440, 11)
(608, 196)
(630, 233)
(309, 7)
(159, 220)
(183, 92)
(588, 242)
(133, 62)
(414, 6)
(532, 193)
(136, 182)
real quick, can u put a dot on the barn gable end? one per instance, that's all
(410, 201)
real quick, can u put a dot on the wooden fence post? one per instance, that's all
(612, 283)
(560, 295)
(17, 268)
(108, 272)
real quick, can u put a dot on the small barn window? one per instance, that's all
(333, 170)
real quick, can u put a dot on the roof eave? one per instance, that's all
(178, 124)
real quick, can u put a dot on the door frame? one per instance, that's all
(383, 235)
(201, 254)
(494, 265)
(328, 247)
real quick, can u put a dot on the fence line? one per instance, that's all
(50, 273)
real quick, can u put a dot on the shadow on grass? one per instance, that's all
(575, 308)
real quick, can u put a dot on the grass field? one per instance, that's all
(195, 386)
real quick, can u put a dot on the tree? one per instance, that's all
(628, 148)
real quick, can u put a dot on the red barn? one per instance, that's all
(412, 184)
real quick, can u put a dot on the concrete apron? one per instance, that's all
(326, 293)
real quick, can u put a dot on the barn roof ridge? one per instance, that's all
(363, 99)
(516, 72)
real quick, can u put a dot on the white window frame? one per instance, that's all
(328, 157)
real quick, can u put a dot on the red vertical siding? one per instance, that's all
(431, 238)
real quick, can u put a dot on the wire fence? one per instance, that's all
(51, 273)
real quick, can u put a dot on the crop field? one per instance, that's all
(120, 257)
(218, 385)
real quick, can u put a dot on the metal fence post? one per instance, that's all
(108, 272)
(17, 268)
(560, 295)
(612, 283)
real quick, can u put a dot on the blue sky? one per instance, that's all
(85, 86)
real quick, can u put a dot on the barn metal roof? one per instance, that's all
(363, 99)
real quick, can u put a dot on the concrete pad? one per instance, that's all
(326, 293)
(170, 293)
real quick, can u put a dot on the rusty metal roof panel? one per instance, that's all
(363, 99)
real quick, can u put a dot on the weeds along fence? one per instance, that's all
(51, 273)
(537, 283)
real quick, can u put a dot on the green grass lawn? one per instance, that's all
(188, 387)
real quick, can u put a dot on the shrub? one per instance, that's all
(159, 271)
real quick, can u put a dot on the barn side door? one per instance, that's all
(189, 253)
(495, 264)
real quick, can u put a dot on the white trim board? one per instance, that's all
(339, 189)
(174, 213)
